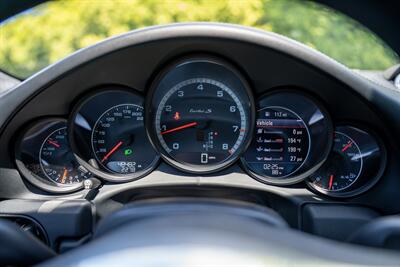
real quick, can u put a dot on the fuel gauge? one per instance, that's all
(57, 160)
(44, 157)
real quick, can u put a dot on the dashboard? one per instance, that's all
(200, 116)
(200, 111)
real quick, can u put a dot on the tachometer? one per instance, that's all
(200, 115)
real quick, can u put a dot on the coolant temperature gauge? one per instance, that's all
(343, 166)
(354, 165)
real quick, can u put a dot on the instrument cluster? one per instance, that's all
(200, 116)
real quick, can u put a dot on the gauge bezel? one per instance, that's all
(151, 112)
(43, 183)
(358, 174)
(297, 178)
(108, 176)
(371, 181)
(396, 81)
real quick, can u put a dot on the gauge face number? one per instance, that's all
(343, 167)
(119, 141)
(201, 122)
(57, 160)
(280, 145)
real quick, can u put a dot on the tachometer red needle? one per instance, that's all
(51, 142)
(347, 146)
(112, 151)
(180, 128)
(330, 182)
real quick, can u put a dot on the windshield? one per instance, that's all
(51, 31)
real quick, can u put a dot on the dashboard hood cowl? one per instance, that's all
(385, 98)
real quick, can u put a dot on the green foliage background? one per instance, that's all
(53, 30)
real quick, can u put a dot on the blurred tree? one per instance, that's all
(49, 32)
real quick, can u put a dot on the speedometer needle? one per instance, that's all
(112, 151)
(180, 128)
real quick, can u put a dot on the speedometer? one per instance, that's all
(201, 114)
(114, 136)
(108, 135)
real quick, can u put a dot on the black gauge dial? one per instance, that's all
(354, 165)
(201, 120)
(107, 133)
(116, 140)
(292, 138)
(282, 142)
(57, 160)
(44, 157)
(344, 165)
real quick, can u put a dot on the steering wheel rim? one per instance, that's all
(210, 234)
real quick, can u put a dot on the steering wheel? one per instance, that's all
(190, 232)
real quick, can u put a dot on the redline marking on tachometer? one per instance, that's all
(112, 151)
(180, 128)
